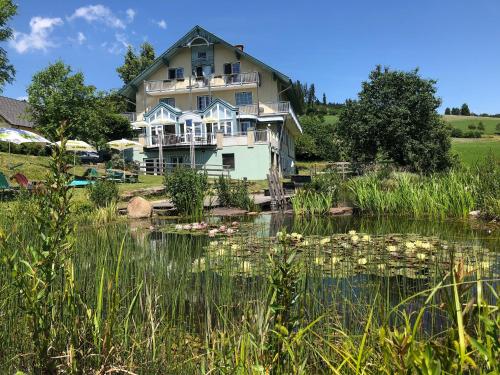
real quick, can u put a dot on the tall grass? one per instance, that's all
(307, 202)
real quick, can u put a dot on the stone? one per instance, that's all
(139, 208)
(341, 211)
(475, 213)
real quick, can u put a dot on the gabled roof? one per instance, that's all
(14, 112)
(222, 102)
(168, 107)
(197, 31)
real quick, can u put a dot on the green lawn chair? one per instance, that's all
(114, 175)
(5, 188)
(91, 174)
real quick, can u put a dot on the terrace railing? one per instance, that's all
(266, 108)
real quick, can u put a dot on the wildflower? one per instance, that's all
(362, 261)
(235, 247)
(366, 238)
(418, 243)
(212, 232)
(324, 240)
(355, 238)
(229, 231)
(421, 256)
(222, 228)
(352, 232)
(425, 245)
(296, 237)
(410, 245)
(335, 260)
(186, 227)
(391, 248)
(178, 226)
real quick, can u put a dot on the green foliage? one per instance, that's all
(103, 193)
(480, 126)
(497, 128)
(464, 110)
(396, 116)
(134, 64)
(318, 141)
(7, 72)
(472, 126)
(56, 94)
(186, 187)
(310, 202)
(447, 111)
(233, 194)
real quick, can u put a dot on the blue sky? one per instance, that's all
(333, 44)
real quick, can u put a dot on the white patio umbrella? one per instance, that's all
(18, 136)
(139, 124)
(122, 145)
(76, 145)
(162, 121)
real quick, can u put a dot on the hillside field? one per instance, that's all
(462, 122)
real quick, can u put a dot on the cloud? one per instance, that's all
(118, 46)
(161, 24)
(81, 38)
(23, 98)
(39, 36)
(98, 13)
(130, 14)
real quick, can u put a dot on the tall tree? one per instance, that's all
(396, 116)
(455, 111)
(134, 64)
(465, 111)
(324, 99)
(57, 94)
(311, 96)
(7, 71)
(447, 111)
(296, 94)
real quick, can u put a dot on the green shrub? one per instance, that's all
(186, 187)
(233, 194)
(457, 133)
(480, 126)
(103, 193)
(328, 183)
(472, 126)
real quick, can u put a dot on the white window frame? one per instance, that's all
(243, 93)
(202, 97)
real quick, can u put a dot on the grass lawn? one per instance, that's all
(331, 119)
(470, 150)
(462, 122)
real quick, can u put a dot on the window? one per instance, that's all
(245, 125)
(232, 68)
(243, 98)
(228, 161)
(203, 102)
(176, 73)
(202, 55)
(169, 101)
(176, 160)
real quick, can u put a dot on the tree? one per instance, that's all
(134, 64)
(311, 96)
(497, 128)
(56, 95)
(7, 71)
(447, 111)
(296, 95)
(464, 111)
(480, 126)
(455, 111)
(324, 99)
(318, 141)
(396, 116)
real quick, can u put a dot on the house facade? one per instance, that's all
(208, 103)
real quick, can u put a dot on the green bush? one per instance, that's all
(328, 183)
(103, 193)
(233, 194)
(457, 133)
(186, 187)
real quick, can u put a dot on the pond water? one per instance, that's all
(347, 265)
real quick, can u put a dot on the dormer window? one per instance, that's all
(202, 55)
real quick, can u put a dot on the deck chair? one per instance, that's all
(22, 181)
(5, 187)
(113, 175)
(91, 174)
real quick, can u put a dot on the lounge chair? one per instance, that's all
(22, 181)
(5, 187)
(91, 174)
(80, 182)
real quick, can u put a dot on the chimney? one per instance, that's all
(241, 47)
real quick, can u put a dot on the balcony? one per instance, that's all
(209, 139)
(213, 82)
(264, 109)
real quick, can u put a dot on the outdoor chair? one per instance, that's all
(22, 181)
(91, 174)
(114, 175)
(5, 187)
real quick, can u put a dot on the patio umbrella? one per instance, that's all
(76, 145)
(18, 136)
(139, 124)
(122, 145)
(162, 121)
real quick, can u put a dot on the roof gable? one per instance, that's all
(196, 32)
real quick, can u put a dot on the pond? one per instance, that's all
(348, 265)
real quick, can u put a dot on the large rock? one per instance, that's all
(139, 208)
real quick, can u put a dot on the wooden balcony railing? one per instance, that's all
(265, 108)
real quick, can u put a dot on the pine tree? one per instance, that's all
(464, 111)
(134, 64)
(447, 111)
(324, 99)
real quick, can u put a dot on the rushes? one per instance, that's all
(307, 202)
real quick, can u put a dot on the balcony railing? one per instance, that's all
(212, 81)
(264, 108)
(131, 116)
(209, 139)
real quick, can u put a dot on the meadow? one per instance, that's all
(463, 122)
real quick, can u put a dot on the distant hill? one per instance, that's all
(463, 122)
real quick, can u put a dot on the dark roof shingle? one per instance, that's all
(14, 112)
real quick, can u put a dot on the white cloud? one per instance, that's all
(24, 98)
(130, 14)
(98, 13)
(118, 46)
(39, 36)
(161, 24)
(81, 38)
